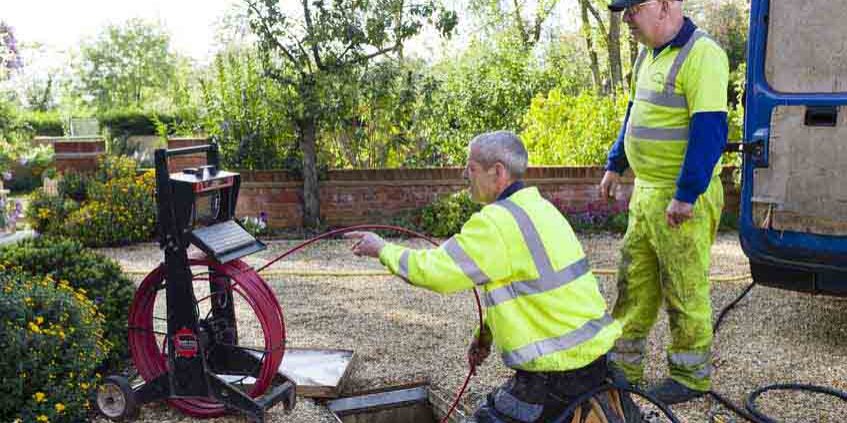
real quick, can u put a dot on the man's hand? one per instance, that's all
(608, 184)
(479, 349)
(367, 243)
(678, 212)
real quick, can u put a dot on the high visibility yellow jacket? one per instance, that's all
(543, 304)
(668, 89)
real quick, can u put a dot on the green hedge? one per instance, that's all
(51, 343)
(44, 123)
(125, 122)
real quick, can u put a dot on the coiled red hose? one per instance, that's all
(151, 362)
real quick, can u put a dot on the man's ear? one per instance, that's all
(500, 170)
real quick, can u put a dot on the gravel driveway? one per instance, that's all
(401, 334)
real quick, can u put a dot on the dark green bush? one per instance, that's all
(122, 122)
(445, 216)
(51, 343)
(100, 277)
(44, 123)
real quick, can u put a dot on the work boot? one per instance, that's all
(672, 392)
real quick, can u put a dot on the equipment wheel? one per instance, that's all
(116, 399)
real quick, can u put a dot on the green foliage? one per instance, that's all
(47, 214)
(131, 121)
(127, 66)
(51, 341)
(489, 87)
(246, 113)
(44, 123)
(729, 222)
(27, 167)
(74, 185)
(99, 278)
(446, 216)
(118, 212)
(572, 130)
(114, 207)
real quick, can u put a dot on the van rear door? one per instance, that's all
(793, 222)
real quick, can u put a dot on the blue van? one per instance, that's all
(793, 220)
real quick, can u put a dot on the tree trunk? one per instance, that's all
(614, 47)
(311, 194)
(633, 56)
(589, 42)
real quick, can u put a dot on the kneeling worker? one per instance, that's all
(544, 310)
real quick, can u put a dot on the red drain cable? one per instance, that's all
(298, 247)
(150, 359)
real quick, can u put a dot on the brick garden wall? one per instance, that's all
(351, 197)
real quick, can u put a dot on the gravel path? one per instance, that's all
(401, 334)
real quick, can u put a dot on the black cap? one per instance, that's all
(620, 5)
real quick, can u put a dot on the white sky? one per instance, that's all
(61, 24)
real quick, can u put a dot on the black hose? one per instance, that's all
(752, 413)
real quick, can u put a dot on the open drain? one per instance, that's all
(415, 404)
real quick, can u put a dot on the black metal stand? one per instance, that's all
(198, 350)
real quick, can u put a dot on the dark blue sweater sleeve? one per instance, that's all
(706, 141)
(616, 160)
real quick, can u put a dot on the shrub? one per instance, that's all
(74, 185)
(115, 206)
(597, 216)
(47, 213)
(572, 130)
(445, 216)
(100, 278)
(50, 334)
(44, 123)
(119, 211)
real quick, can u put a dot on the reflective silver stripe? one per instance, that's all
(660, 134)
(560, 343)
(530, 237)
(661, 98)
(633, 359)
(688, 359)
(670, 83)
(465, 262)
(537, 286)
(403, 270)
(630, 345)
(703, 372)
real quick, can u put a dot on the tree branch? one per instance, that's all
(369, 56)
(597, 16)
(270, 35)
(307, 15)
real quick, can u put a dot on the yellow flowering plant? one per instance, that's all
(56, 338)
(91, 275)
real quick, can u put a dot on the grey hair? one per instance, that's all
(504, 147)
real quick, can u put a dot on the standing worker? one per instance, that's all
(673, 135)
(544, 310)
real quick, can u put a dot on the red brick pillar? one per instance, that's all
(177, 163)
(78, 155)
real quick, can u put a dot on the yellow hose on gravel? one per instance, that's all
(355, 273)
